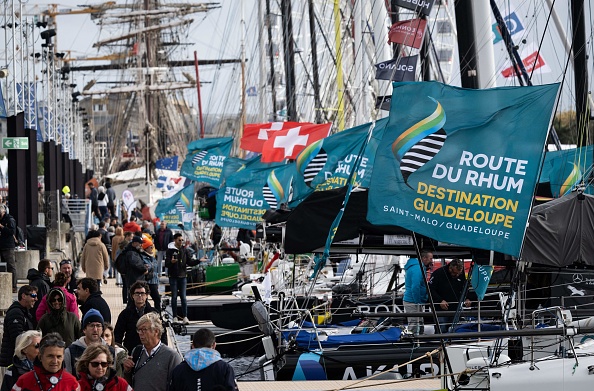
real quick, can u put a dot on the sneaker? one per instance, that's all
(104, 280)
(186, 320)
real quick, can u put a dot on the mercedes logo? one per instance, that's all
(578, 278)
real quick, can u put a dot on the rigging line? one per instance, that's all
(541, 41)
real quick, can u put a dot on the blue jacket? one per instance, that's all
(203, 370)
(416, 291)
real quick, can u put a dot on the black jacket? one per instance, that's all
(96, 301)
(219, 374)
(134, 265)
(161, 245)
(13, 372)
(17, 320)
(7, 232)
(125, 329)
(184, 259)
(40, 281)
(444, 287)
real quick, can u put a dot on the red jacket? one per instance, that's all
(114, 383)
(131, 226)
(28, 382)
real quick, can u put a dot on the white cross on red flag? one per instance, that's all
(287, 144)
(255, 135)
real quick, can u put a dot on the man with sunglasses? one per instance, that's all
(48, 372)
(17, 320)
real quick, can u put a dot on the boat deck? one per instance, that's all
(323, 385)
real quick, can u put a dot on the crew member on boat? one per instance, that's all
(447, 287)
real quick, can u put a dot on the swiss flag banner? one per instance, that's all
(408, 32)
(287, 144)
(255, 135)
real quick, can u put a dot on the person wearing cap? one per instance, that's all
(92, 329)
(134, 265)
(48, 372)
(95, 258)
(91, 297)
(66, 268)
(59, 320)
(65, 205)
(152, 278)
(71, 306)
(17, 320)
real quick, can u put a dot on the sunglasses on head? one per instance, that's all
(65, 262)
(95, 364)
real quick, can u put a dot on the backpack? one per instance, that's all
(120, 262)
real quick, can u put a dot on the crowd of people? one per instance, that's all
(58, 334)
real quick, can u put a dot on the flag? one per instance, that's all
(419, 6)
(178, 208)
(481, 275)
(513, 23)
(532, 60)
(2, 106)
(167, 163)
(397, 70)
(255, 135)
(205, 159)
(383, 102)
(408, 32)
(563, 170)
(460, 165)
(327, 163)
(251, 191)
(286, 144)
(161, 182)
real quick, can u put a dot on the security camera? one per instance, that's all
(3, 73)
(47, 34)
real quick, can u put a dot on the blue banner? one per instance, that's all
(459, 165)
(2, 106)
(177, 208)
(251, 191)
(205, 159)
(481, 275)
(565, 169)
(327, 164)
(167, 163)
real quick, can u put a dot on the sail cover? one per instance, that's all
(561, 232)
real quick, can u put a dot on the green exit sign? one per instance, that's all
(15, 142)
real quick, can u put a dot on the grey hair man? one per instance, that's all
(151, 364)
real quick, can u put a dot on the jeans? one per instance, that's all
(445, 322)
(178, 284)
(160, 259)
(7, 255)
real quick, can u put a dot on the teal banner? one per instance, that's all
(480, 278)
(205, 159)
(178, 208)
(327, 163)
(459, 165)
(565, 169)
(251, 191)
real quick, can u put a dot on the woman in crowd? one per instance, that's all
(95, 372)
(121, 352)
(58, 319)
(59, 282)
(25, 352)
(152, 278)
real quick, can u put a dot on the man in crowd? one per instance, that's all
(415, 295)
(18, 319)
(7, 244)
(40, 279)
(111, 197)
(162, 238)
(94, 260)
(134, 266)
(90, 297)
(94, 200)
(125, 328)
(447, 287)
(66, 268)
(178, 257)
(203, 368)
(132, 225)
(149, 368)
(48, 372)
(92, 329)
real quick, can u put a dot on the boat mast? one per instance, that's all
(339, 76)
(271, 58)
(240, 152)
(580, 62)
(314, 62)
(289, 52)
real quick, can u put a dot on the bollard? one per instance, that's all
(5, 290)
(25, 260)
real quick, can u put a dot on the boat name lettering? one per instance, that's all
(398, 67)
(419, 3)
(379, 308)
(428, 369)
